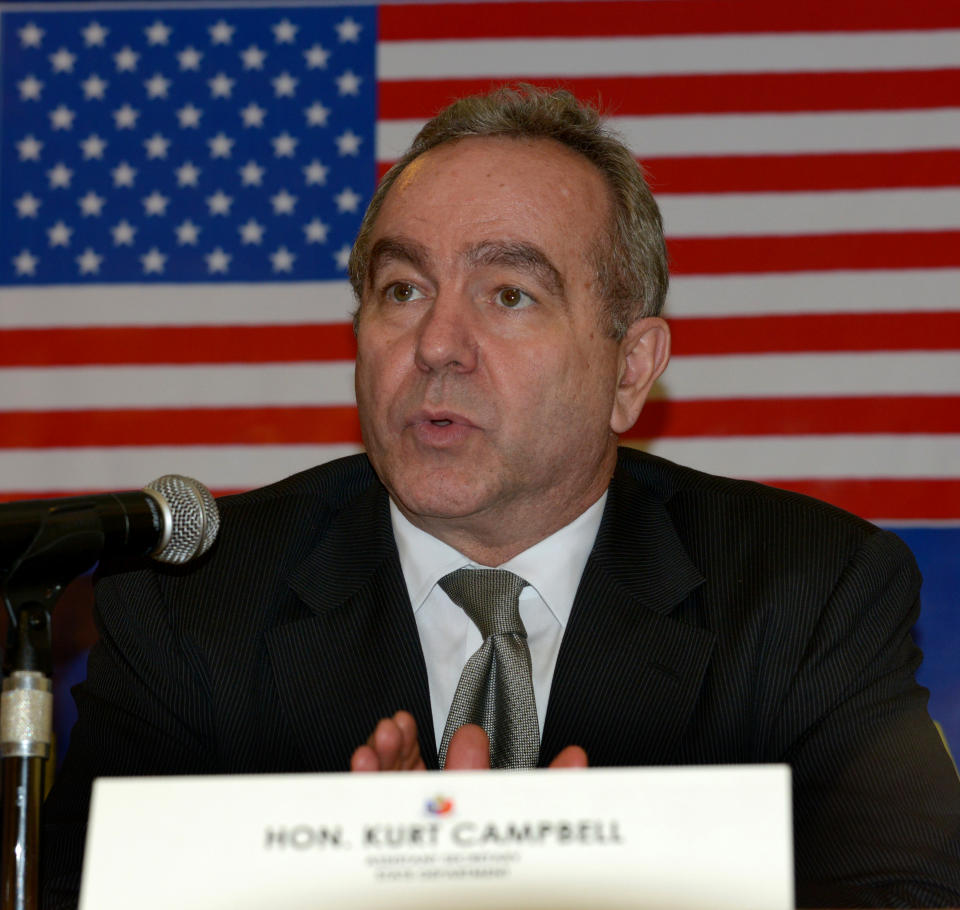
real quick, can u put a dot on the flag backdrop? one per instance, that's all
(180, 185)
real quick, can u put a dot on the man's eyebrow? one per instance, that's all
(524, 257)
(396, 249)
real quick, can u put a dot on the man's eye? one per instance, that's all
(402, 292)
(513, 298)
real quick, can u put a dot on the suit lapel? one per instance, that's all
(628, 671)
(353, 656)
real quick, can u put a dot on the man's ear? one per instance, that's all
(644, 352)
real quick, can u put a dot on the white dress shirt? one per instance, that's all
(552, 569)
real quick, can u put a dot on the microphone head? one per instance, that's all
(190, 518)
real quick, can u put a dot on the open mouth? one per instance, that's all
(441, 423)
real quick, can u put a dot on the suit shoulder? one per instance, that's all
(716, 504)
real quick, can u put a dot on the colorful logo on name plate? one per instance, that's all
(440, 805)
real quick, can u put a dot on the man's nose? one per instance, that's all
(446, 336)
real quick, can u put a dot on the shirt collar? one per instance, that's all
(553, 566)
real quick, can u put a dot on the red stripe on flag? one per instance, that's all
(177, 345)
(414, 22)
(906, 500)
(339, 424)
(816, 252)
(798, 416)
(176, 426)
(720, 93)
(816, 332)
(785, 173)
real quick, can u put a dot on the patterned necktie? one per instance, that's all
(496, 686)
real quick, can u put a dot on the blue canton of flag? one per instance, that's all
(185, 145)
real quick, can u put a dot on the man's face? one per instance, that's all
(485, 383)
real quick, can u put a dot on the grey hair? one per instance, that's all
(630, 260)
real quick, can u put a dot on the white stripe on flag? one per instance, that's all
(744, 214)
(762, 53)
(299, 384)
(859, 291)
(240, 467)
(32, 388)
(754, 134)
(867, 291)
(796, 457)
(175, 304)
(121, 468)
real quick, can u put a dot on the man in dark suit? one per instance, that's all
(509, 275)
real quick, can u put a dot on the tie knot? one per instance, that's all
(490, 597)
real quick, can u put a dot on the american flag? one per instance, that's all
(180, 185)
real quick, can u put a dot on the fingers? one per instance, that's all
(571, 757)
(392, 746)
(469, 749)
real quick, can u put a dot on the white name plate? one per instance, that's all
(686, 838)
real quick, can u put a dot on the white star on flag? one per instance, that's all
(282, 260)
(31, 35)
(315, 173)
(217, 261)
(316, 57)
(253, 58)
(348, 143)
(283, 203)
(155, 204)
(347, 200)
(123, 233)
(221, 146)
(62, 61)
(61, 118)
(126, 60)
(123, 175)
(157, 86)
(253, 114)
(156, 146)
(94, 88)
(25, 263)
(153, 261)
(189, 58)
(60, 234)
(348, 83)
(125, 117)
(187, 233)
(317, 114)
(252, 174)
(27, 206)
(89, 262)
(29, 148)
(349, 30)
(316, 231)
(221, 33)
(284, 86)
(285, 32)
(91, 204)
(284, 145)
(93, 147)
(219, 203)
(59, 176)
(221, 86)
(95, 35)
(30, 88)
(251, 232)
(158, 33)
(188, 174)
(189, 116)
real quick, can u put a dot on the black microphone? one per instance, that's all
(173, 518)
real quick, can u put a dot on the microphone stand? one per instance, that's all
(31, 585)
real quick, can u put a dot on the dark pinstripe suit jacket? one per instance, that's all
(716, 621)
